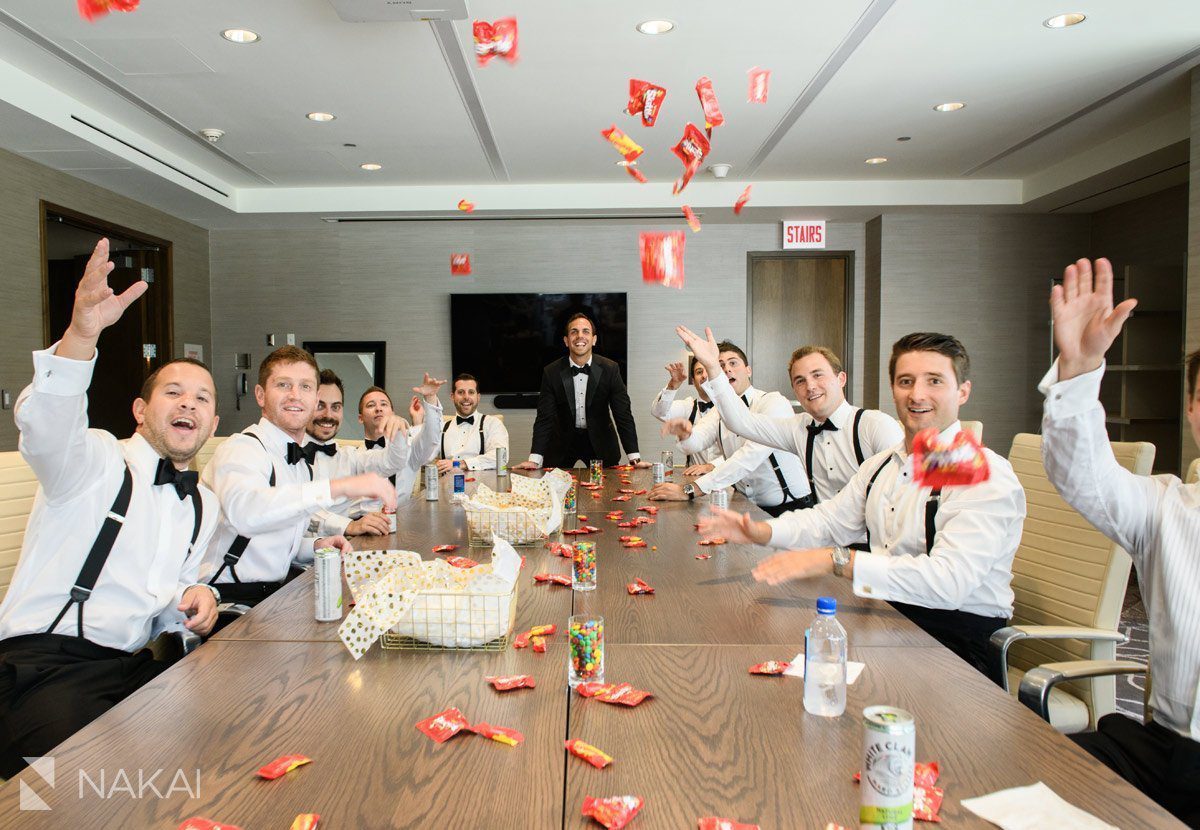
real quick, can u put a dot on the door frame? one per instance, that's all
(847, 353)
(109, 229)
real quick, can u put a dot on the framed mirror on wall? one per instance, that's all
(360, 364)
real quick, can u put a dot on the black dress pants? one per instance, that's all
(967, 635)
(51, 686)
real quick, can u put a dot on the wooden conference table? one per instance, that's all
(713, 740)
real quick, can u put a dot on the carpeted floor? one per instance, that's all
(1131, 688)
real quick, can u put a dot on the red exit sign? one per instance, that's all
(810, 234)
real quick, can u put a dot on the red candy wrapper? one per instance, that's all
(630, 523)
(634, 542)
(635, 173)
(559, 549)
(692, 220)
(708, 100)
(200, 823)
(91, 9)
(539, 644)
(712, 823)
(926, 802)
(760, 79)
(613, 812)
(703, 556)
(662, 257)
(622, 693)
(716, 540)
(445, 548)
(625, 490)
(954, 463)
(770, 667)
(645, 98)
(638, 586)
(590, 529)
(625, 497)
(461, 562)
(691, 150)
(742, 200)
(553, 579)
(500, 734)
(495, 40)
(542, 630)
(925, 774)
(465, 206)
(521, 640)
(649, 508)
(641, 492)
(444, 725)
(626, 146)
(282, 765)
(593, 689)
(460, 264)
(306, 821)
(597, 758)
(507, 682)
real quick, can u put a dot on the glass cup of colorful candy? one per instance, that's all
(597, 469)
(583, 571)
(585, 638)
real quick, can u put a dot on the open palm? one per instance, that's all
(704, 348)
(97, 306)
(1085, 321)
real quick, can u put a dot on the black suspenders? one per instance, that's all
(858, 453)
(783, 485)
(81, 591)
(808, 454)
(446, 428)
(931, 508)
(238, 546)
(690, 460)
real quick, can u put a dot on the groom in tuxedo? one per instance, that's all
(582, 394)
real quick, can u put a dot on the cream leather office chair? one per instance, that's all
(1193, 472)
(1069, 580)
(18, 485)
(973, 427)
(206, 453)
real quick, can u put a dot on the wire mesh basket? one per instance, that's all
(455, 620)
(518, 526)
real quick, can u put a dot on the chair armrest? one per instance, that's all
(1038, 682)
(1002, 639)
(233, 609)
(188, 641)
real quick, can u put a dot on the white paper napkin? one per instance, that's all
(853, 670)
(1032, 808)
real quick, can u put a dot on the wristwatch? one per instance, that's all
(841, 558)
(689, 490)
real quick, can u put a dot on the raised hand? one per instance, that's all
(429, 387)
(416, 411)
(97, 306)
(1085, 322)
(393, 424)
(704, 348)
(681, 428)
(675, 370)
(733, 526)
(364, 486)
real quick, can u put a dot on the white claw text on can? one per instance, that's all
(889, 750)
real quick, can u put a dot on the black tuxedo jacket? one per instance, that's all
(555, 424)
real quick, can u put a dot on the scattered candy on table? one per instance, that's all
(500, 734)
(596, 757)
(444, 725)
(445, 548)
(713, 823)
(461, 562)
(553, 579)
(507, 682)
(201, 823)
(306, 821)
(770, 667)
(613, 812)
(638, 586)
(704, 556)
(716, 540)
(282, 765)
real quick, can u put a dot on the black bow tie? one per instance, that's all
(183, 480)
(581, 370)
(461, 420)
(308, 452)
(814, 429)
(703, 406)
(381, 441)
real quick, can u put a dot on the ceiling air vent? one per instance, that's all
(399, 11)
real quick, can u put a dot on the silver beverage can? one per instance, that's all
(432, 486)
(719, 498)
(501, 461)
(391, 517)
(327, 584)
(660, 472)
(668, 459)
(889, 749)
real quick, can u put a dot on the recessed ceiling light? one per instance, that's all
(1062, 21)
(371, 166)
(876, 160)
(953, 106)
(320, 116)
(655, 27)
(241, 36)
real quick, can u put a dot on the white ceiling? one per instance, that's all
(849, 77)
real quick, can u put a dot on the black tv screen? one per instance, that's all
(505, 340)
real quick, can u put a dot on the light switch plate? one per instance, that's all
(291, 338)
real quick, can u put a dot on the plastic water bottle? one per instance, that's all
(460, 481)
(825, 663)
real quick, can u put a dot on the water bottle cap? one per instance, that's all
(826, 606)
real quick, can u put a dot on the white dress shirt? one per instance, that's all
(833, 461)
(747, 465)
(978, 529)
(666, 407)
(388, 459)
(581, 382)
(423, 449)
(1155, 518)
(462, 441)
(274, 519)
(80, 471)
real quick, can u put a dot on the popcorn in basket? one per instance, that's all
(524, 516)
(412, 603)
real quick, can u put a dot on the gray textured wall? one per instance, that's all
(392, 282)
(984, 279)
(22, 184)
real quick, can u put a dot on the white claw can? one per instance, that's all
(391, 517)
(889, 749)
(327, 584)
(431, 482)
(668, 459)
(660, 472)
(501, 461)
